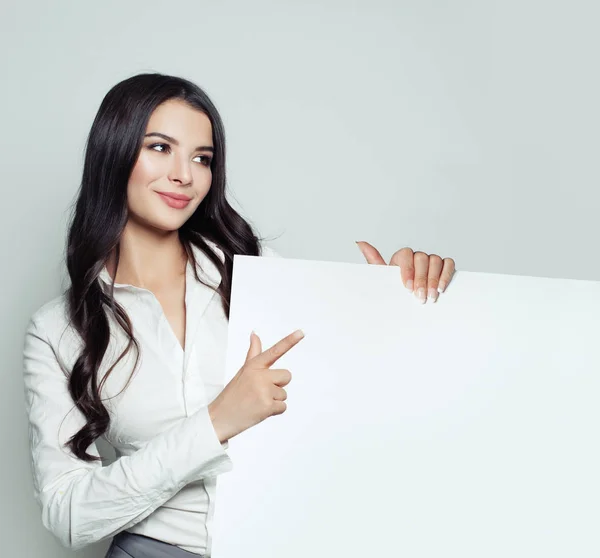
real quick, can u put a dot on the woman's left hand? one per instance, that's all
(425, 275)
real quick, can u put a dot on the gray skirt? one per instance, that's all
(132, 545)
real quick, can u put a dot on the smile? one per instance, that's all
(172, 201)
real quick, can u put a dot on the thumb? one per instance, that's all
(255, 346)
(370, 253)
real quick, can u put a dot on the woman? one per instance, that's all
(134, 350)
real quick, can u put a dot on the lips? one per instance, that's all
(172, 200)
(175, 196)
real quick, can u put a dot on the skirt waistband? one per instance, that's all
(140, 546)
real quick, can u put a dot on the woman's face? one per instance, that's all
(175, 158)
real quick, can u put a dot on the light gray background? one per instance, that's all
(465, 128)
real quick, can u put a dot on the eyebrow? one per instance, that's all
(173, 140)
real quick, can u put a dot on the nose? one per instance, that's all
(180, 171)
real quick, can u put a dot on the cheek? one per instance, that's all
(145, 171)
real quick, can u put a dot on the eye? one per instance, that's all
(205, 160)
(165, 147)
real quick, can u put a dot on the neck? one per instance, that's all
(149, 258)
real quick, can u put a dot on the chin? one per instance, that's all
(169, 225)
(163, 219)
(162, 223)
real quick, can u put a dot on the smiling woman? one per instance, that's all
(150, 256)
(151, 240)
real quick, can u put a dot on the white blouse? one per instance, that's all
(163, 482)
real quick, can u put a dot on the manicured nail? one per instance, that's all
(441, 288)
(410, 285)
(421, 295)
(298, 334)
(433, 294)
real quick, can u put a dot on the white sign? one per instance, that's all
(467, 428)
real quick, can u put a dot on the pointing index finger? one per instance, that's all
(271, 355)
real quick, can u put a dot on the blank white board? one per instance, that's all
(466, 428)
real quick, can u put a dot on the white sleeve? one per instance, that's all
(84, 502)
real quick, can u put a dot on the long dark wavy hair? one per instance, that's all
(99, 217)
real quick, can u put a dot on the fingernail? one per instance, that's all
(410, 285)
(441, 288)
(421, 295)
(433, 294)
(298, 334)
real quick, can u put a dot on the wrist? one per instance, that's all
(218, 428)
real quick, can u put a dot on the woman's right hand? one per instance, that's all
(255, 392)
